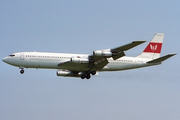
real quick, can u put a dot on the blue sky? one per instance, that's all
(81, 27)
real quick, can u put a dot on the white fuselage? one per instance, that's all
(51, 61)
(85, 65)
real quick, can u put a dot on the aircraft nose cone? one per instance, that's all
(4, 59)
(8, 60)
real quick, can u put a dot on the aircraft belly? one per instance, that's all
(115, 66)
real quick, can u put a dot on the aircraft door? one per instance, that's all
(21, 56)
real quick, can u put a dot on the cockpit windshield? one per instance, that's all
(12, 55)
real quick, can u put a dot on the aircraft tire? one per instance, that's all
(88, 76)
(21, 71)
(93, 72)
(82, 76)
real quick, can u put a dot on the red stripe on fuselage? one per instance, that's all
(153, 48)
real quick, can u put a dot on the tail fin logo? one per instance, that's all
(153, 48)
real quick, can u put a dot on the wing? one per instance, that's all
(120, 50)
(128, 46)
(99, 57)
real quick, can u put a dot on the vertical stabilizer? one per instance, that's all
(153, 50)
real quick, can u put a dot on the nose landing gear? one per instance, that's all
(22, 71)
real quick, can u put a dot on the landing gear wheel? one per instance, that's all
(82, 77)
(88, 76)
(22, 71)
(93, 72)
(85, 75)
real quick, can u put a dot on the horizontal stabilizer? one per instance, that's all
(161, 59)
(128, 46)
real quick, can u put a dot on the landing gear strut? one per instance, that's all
(21, 71)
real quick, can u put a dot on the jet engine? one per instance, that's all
(79, 60)
(66, 73)
(106, 53)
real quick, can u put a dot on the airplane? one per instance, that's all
(85, 65)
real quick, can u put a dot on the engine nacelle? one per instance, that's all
(102, 53)
(79, 60)
(66, 73)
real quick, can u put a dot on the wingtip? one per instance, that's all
(173, 54)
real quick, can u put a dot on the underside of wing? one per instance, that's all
(97, 62)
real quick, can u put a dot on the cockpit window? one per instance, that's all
(12, 55)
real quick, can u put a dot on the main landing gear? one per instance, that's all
(87, 74)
